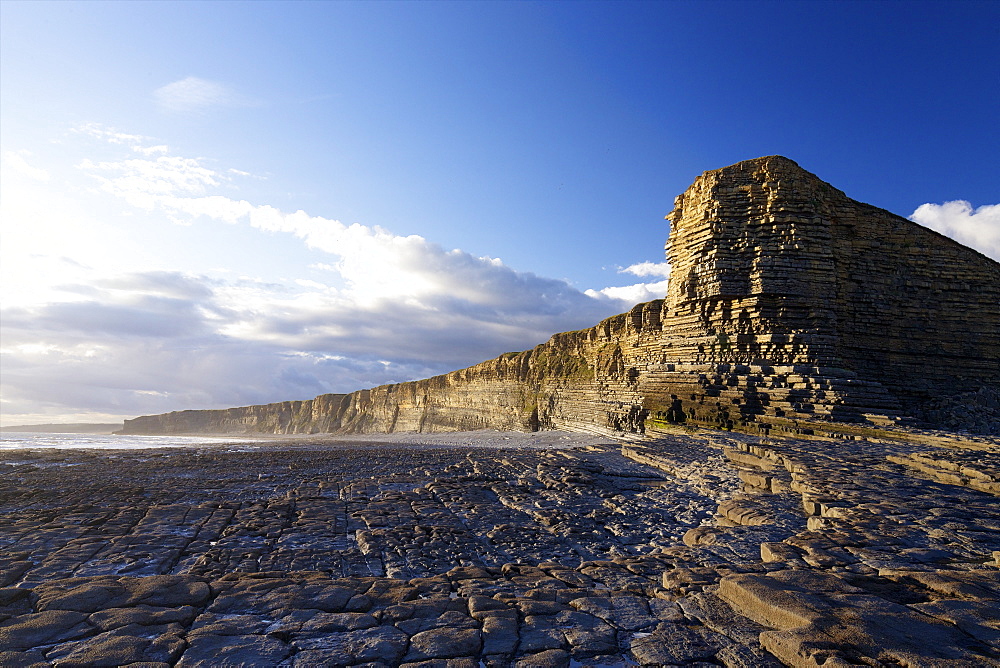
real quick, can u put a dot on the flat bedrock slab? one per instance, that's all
(502, 556)
(205, 651)
(819, 618)
(101, 593)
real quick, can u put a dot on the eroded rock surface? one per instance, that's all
(694, 549)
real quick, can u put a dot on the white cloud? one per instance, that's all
(17, 162)
(110, 135)
(148, 183)
(165, 343)
(661, 269)
(977, 228)
(638, 292)
(322, 266)
(53, 233)
(376, 265)
(193, 95)
(631, 294)
(151, 150)
(387, 308)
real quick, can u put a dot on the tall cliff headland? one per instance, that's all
(790, 307)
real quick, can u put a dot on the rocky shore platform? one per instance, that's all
(697, 549)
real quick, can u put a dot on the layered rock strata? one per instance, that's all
(317, 415)
(790, 306)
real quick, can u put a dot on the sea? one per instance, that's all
(25, 440)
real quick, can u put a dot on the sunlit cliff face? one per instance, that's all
(733, 236)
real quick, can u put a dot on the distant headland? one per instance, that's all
(65, 428)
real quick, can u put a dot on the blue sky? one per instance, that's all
(216, 204)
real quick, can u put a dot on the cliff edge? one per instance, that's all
(790, 307)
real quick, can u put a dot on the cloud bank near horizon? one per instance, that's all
(394, 308)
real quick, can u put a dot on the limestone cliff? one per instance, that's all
(790, 306)
(286, 417)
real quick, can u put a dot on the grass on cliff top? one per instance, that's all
(559, 364)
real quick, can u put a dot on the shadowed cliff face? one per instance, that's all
(788, 302)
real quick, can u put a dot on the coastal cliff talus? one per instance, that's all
(788, 304)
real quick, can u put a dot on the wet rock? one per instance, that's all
(624, 612)
(44, 628)
(444, 643)
(534, 607)
(379, 644)
(671, 644)
(126, 645)
(205, 651)
(540, 633)
(500, 634)
(212, 624)
(100, 593)
(274, 596)
(142, 615)
(338, 621)
(556, 658)
(587, 635)
(450, 619)
(443, 663)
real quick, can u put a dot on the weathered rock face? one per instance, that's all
(789, 303)
(838, 308)
(287, 417)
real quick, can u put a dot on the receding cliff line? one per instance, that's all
(286, 417)
(790, 306)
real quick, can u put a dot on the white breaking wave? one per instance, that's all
(28, 441)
